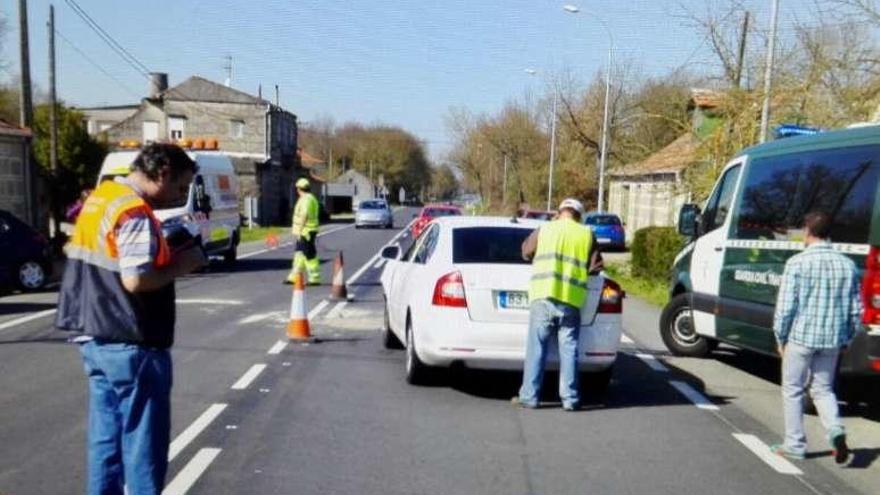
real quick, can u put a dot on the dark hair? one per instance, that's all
(818, 224)
(156, 156)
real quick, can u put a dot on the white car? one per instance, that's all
(374, 213)
(460, 295)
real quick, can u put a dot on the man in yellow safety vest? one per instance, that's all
(305, 232)
(562, 254)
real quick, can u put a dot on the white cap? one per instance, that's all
(572, 204)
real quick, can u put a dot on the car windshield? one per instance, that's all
(372, 205)
(603, 220)
(440, 212)
(492, 245)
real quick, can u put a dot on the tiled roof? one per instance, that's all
(675, 157)
(200, 89)
(10, 129)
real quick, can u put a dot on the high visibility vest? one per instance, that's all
(561, 264)
(92, 299)
(305, 215)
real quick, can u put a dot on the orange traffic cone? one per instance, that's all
(271, 241)
(338, 290)
(298, 326)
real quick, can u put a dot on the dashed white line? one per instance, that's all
(218, 302)
(248, 377)
(256, 318)
(317, 309)
(652, 362)
(193, 430)
(334, 313)
(25, 319)
(697, 398)
(191, 472)
(760, 449)
(288, 243)
(278, 347)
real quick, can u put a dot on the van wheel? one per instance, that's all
(678, 332)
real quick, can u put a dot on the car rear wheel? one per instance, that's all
(678, 331)
(417, 373)
(31, 275)
(389, 340)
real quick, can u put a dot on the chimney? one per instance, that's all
(158, 83)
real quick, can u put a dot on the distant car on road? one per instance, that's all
(536, 214)
(430, 212)
(460, 295)
(374, 213)
(25, 261)
(608, 230)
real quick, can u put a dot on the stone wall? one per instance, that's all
(13, 181)
(646, 201)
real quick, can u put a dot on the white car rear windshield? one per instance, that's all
(492, 245)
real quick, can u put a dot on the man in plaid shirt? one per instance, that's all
(818, 311)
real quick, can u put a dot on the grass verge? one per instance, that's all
(259, 233)
(655, 292)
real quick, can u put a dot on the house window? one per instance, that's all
(176, 127)
(151, 131)
(236, 128)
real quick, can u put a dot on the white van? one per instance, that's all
(212, 206)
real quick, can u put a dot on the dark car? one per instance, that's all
(536, 214)
(24, 255)
(608, 230)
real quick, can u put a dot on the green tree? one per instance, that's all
(444, 184)
(79, 155)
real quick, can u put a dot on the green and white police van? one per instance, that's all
(725, 280)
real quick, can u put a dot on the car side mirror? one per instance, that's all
(688, 220)
(391, 252)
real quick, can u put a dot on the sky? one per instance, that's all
(402, 63)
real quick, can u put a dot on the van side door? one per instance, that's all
(708, 255)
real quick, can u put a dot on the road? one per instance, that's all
(253, 413)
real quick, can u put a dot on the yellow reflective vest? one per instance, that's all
(305, 215)
(561, 264)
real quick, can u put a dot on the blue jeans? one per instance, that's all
(816, 367)
(546, 319)
(129, 417)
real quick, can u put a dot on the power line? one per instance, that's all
(111, 42)
(96, 64)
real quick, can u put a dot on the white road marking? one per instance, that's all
(256, 318)
(697, 398)
(652, 362)
(377, 256)
(760, 449)
(25, 319)
(218, 302)
(193, 430)
(278, 347)
(191, 472)
(317, 309)
(261, 251)
(248, 377)
(334, 313)
(625, 339)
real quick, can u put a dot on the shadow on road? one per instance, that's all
(23, 307)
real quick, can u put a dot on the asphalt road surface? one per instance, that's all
(253, 413)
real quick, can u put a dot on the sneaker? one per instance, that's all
(571, 407)
(840, 450)
(515, 401)
(780, 450)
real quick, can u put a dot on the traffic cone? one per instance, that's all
(271, 241)
(338, 290)
(298, 326)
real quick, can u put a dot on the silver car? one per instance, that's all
(374, 213)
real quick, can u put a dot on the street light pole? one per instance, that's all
(768, 72)
(572, 9)
(552, 148)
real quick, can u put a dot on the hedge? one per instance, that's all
(653, 250)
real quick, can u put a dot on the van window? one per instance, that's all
(779, 191)
(719, 204)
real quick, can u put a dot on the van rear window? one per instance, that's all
(492, 245)
(780, 190)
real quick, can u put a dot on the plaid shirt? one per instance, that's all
(819, 305)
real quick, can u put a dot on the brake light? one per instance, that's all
(449, 291)
(611, 300)
(871, 288)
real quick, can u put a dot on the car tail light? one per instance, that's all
(875, 364)
(871, 288)
(611, 300)
(449, 291)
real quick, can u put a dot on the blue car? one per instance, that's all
(608, 230)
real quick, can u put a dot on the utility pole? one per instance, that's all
(552, 147)
(504, 186)
(26, 99)
(605, 132)
(229, 70)
(330, 166)
(768, 72)
(53, 127)
(742, 50)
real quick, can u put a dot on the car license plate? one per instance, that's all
(603, 240)
(513, 299)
